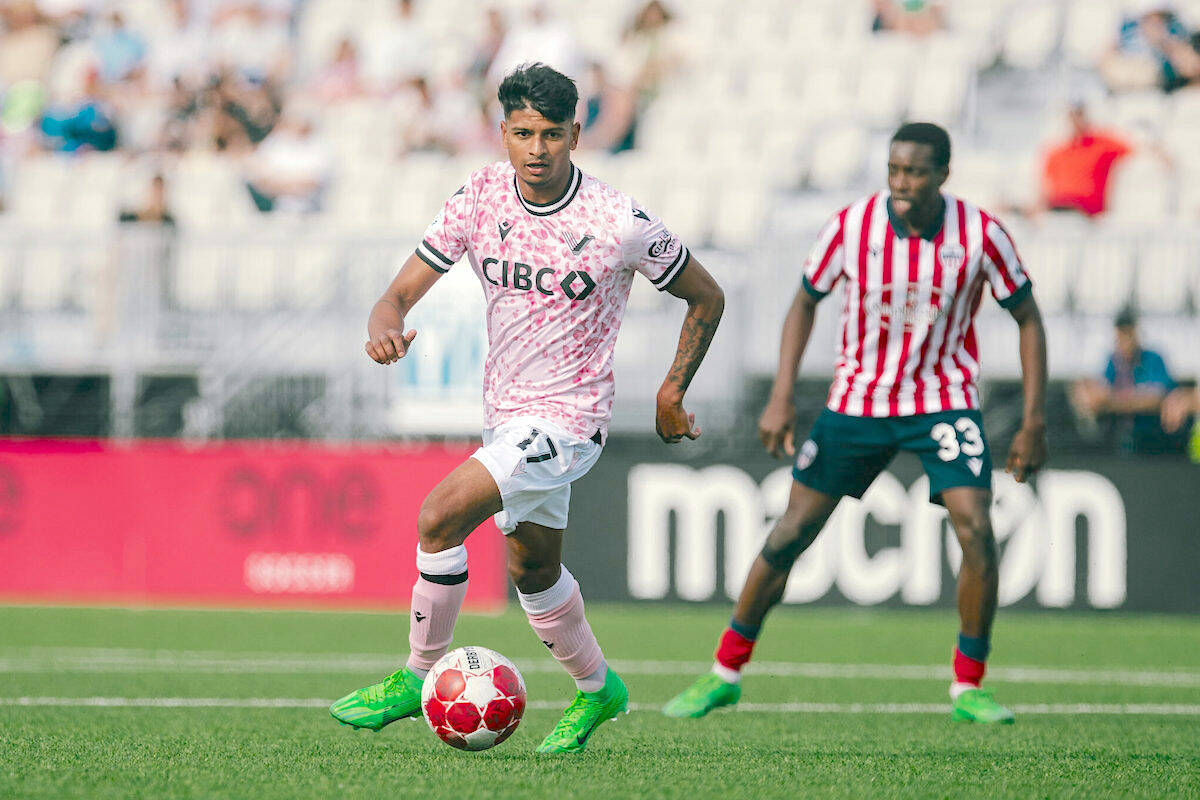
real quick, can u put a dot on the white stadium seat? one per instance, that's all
(1031, 35)
(1164, 274)
(939, 89)
(200, 277)
(1141, 190)
(1090, 29)
(740, 217)
(1052, 266)
(309, 276)
(255, 272)
(838, 155)
(46, 277)
(1104, 279)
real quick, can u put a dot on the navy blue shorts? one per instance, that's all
(844, 454)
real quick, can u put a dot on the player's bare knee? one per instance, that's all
(790, 537)
(531, 575)
(437, 528)
(975, 537)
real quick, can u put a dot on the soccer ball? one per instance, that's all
(473, 698)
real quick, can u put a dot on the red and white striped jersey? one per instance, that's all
(907, 328)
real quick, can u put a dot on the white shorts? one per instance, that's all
(534, 462)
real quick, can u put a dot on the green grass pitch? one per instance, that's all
(845, 703)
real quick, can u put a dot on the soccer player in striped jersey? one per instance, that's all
(914, 262)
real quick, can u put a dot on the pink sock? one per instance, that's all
(436, 600)
(557, 618)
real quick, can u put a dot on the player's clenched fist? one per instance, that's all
(775, 428)
(674, 424)
(389, 346)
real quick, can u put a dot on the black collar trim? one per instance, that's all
(554, 206)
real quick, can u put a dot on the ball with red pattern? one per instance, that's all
(473, 698)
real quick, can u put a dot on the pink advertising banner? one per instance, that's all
(257, 524)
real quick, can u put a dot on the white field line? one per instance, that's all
(1114, 709)
(68, 659)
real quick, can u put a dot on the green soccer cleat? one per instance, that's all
(585, 714)
(707, 693)
(395, 697)
(977, 705)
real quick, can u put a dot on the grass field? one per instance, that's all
(843, 704)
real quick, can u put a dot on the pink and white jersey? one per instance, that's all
(907, 327)
(556, 278)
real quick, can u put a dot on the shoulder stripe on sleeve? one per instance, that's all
(433, 253)
(434, 265)
(1002, 253)
(671, 272)
(830, 249)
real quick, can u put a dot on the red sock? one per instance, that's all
(968, 670)
(734, 650)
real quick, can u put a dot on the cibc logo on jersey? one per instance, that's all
(576, 284)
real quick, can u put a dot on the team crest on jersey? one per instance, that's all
(952, 255)
(577, 243)
(808, 451)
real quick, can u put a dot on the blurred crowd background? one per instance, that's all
(200, 199)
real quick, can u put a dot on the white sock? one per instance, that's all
(726, 674)
(957, 689)
(595, 681)
(420, 673)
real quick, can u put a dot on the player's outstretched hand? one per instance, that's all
(389, 346)
(673, 423)
(1027, 454)
(776, 428)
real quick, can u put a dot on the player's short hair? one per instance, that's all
(1126, 318)
(926, 133)
(542, 88)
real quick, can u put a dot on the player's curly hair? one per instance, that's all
(542, 88)
(926, 133)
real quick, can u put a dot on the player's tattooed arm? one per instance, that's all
(706, 303)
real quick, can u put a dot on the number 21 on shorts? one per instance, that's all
(946, 435)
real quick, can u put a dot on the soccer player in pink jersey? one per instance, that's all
(914, 262)
(556, 252)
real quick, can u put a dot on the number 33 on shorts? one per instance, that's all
(947, 437)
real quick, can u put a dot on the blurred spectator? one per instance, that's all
(1076, 172)
(255, 45)
(494, 31)
(397, 52)
(537, 36)
(153, 209)
(914, 17)
(236, 113)
(27, 45)
(1180, 406)
(649, 53)
(119, 51)
(341, 78)
(1131, 394)
(291, 169)
(609, 113)
(179, 51)
(83, 123)
(447, 120)
(1153, 50)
